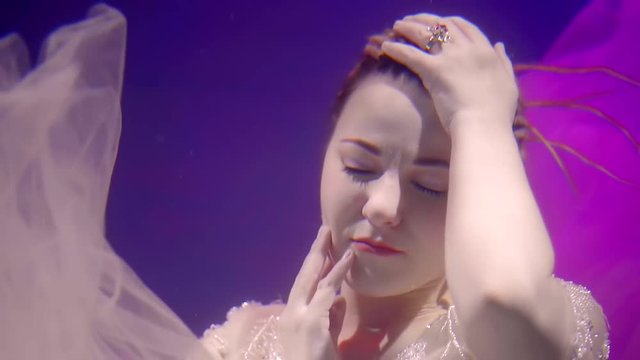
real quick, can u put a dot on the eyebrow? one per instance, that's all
(423, 161)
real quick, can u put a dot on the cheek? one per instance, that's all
(423, 208)
(434, 214)
(426, 225)
(341, 203)
(339, 195)
(425, 240)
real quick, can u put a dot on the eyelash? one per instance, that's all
(362, 177)
(359, 176)
(430, 191)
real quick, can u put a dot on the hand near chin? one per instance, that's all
(309, 325)
(467, 77)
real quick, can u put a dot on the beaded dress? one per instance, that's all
(251, 333)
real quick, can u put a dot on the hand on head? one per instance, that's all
(464, 75)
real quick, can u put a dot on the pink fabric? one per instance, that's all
(595, 227)
(64, 293)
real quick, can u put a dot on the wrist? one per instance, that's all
(480, 123)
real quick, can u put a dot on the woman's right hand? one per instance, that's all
(309, 325)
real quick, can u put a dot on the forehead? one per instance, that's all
(393, 113)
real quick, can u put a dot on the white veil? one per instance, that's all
(64, 294)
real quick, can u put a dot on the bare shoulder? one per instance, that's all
(239, 331)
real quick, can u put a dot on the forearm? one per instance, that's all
(496, 241)
(499, 257)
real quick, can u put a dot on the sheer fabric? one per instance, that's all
(64, 294)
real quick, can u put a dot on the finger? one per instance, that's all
(431, 20)
(504, 58)
(424, 32)
(307, 279)
(425, 18)
(471, 31)
(336, 317)
(326, 267)
(329, 285)
(336, 276)
(415, 59)
(416, 33)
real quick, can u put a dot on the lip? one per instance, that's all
(374, 247)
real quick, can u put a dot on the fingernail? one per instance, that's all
(347, 254)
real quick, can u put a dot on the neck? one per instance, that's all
(386, 321)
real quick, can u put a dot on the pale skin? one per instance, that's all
(395, 153)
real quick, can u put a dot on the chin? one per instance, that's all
(377, 283)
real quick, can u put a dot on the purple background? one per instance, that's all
(226, 104)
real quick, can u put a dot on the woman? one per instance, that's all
(423, 134)
(431, 236)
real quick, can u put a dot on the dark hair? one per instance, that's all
(374, 61)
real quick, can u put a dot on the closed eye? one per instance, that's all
(429, 191)
(360, 176)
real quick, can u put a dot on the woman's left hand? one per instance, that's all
(467, 77)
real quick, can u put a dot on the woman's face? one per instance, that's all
(384, 185)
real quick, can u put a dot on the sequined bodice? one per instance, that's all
(439, 340)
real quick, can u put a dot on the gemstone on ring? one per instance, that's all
(439, 35)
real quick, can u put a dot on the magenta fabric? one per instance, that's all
(595, 224)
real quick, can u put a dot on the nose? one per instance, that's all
(383, 206)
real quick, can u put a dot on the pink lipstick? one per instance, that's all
(374, 247)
